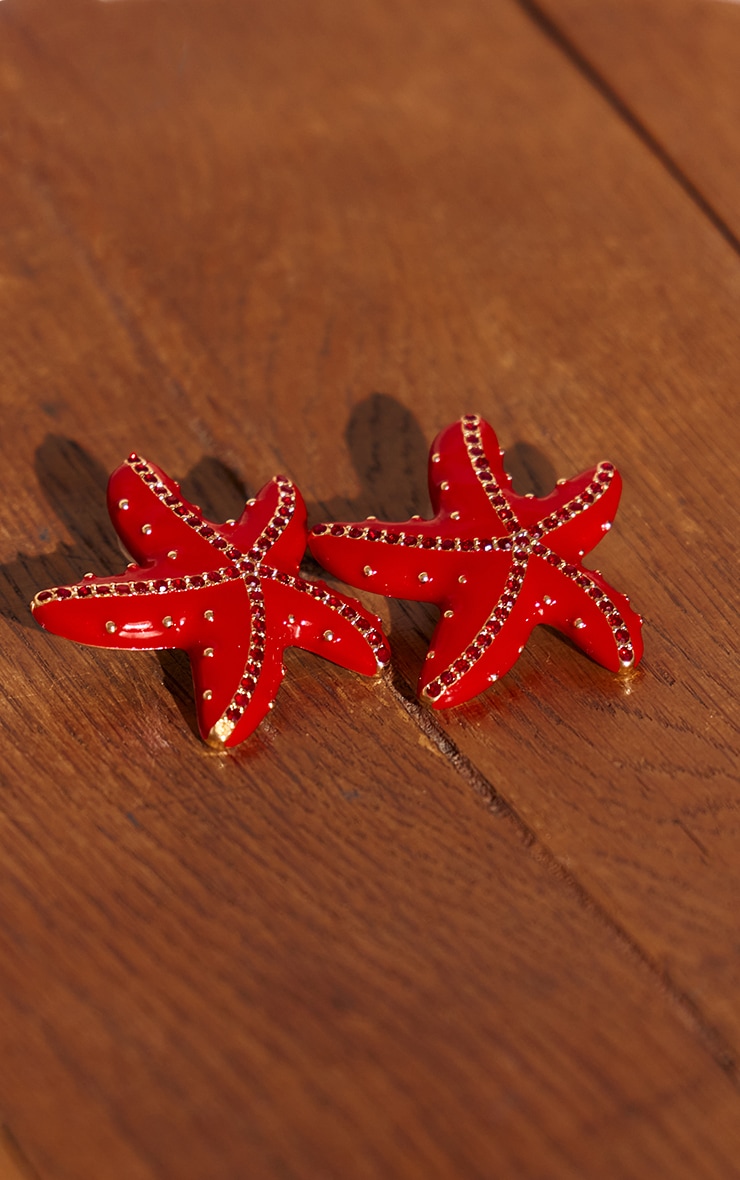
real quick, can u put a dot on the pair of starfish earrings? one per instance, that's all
(230, 595)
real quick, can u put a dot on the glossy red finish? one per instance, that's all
(227, 594)
(496, 564)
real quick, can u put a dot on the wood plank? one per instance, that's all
(674, 66)
(262, 236)
(257, 972)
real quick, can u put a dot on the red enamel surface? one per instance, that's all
(496, 564)
(228, 594)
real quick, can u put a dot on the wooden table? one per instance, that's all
(376, 942)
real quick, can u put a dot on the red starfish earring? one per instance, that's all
(495, 563)
(229, 595)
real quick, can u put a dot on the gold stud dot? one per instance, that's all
(208, 616)
(548, 601)
(167, 621)
(368, 571)
(111, 627)
(579, 624)
(172, 555)
(208, 652)
(423, 576)
(146, 529)
(454, 516)
(328, 636)
(123, 505)
(207, 695)
(445, 485)
(462, 579)
(448, 614)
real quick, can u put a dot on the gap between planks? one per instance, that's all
(497, 805)
(549, 26)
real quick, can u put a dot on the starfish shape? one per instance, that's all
(496, 564)
(228, 594)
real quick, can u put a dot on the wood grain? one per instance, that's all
(374, 942)
(12, 1164)
(674, 68)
